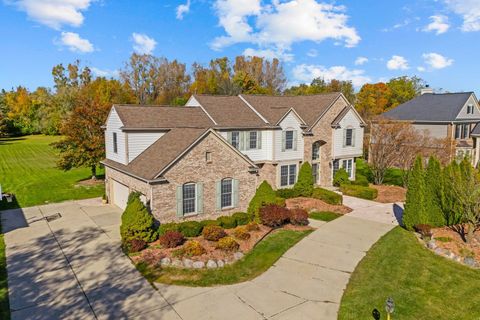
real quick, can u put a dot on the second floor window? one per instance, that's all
(252, 143)
(235, 139)
(316, 151)
(115, 143)
(348, 138)
(289, 140)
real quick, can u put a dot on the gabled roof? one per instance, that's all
(149, 117)
(309, 107)
(430, 107)
(343, 113)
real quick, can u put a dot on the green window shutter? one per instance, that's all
(259, 139)
(353, 137)
(199, 198)
(235, 192)
(218, 195)
(284, 134)
(295, 140)
(180, 201)
(229, 137)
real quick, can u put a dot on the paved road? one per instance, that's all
(72, 268)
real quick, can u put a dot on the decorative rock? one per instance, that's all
(177, 263)
(431, 244)
(165, 262)
(237, 255)
(220, 263)
(198, 264)
(469, 261)
(211, 264)
(439, 251)
(187, 263)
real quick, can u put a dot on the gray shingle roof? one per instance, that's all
(430, 107)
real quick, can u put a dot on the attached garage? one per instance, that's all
(120, 194)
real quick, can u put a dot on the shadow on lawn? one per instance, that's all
(398, 212)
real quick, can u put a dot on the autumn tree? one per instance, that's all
(214, 79)
(403, 89)
(83, 144)
(320, 85)
(372, 100)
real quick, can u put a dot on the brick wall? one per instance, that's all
(133, 183)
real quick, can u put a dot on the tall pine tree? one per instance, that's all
(433, 193)
(415, 210)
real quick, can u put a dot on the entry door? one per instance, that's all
(120, 195)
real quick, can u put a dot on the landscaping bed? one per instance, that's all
(310, 204)
(389, 194)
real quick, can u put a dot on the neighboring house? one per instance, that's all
(208, 157)
(452, 116)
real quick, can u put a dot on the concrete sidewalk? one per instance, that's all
(73, 268)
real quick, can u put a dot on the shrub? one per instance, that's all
(274, 216)
(286, 193)
(227, 244)
(171, 239)
(340, 177)
(327, 196)
(227, 222)
(362, 168)
(137, 222)
(263, 196)
(242, 218)
(241, 233)
(252, 226)
(280, 202)
(165, 227)
(299, 217)
(132, 196)
(360, 180)
(135, 245)
(304, 185)
(415, 209)
(190, 229)
(359, 191)
(433, 193)
(213, 233)
(191, 248)
(205, 223)
(424, 229)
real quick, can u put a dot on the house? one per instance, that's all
(452, 116)
(208, 157)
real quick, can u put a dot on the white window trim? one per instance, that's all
(279, 176)
(340, 166)
(195, 212)
(231, 194)
(293, 137)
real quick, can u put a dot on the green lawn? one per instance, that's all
(27, 169)
(257, 261)
(324, 215)
(423, 285)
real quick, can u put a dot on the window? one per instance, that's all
(347, 165)
(208, 157)
(226, 193)
(348, 138)
(316, 151)
(252, 143)
(315, 172)
(466, 131)
(470, 109)
(115, 145)
(288, 140)
(288, 175)
(457, 131)
(335, 166)
(462, 131)
(235, 140)
(189, 198)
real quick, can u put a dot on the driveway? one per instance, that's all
(72, 267)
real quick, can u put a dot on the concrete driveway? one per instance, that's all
(73, 268)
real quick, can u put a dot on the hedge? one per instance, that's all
(137, 222)
(359, 191)
(327, 196)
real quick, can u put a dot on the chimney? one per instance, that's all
(426, 90)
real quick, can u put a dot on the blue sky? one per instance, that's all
(365, 41)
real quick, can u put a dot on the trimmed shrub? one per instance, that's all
(171, 239)
(298, 217)
(359, 191)
(360, 181)
(280, 202)
(213, 233)
(263, 196)
(274, 216)
(165, 227)
(132, 196)
(304, 185)
(252, 226)
(137, 222)
(433, 193)
(415, 210)
(340, 178)
(205, 223)
(241, 233)
(286, 193)
(363, 168)
(227, 222)
(228, 244)
(135, 245)
(191, 248)
(327, 196)
(190, 229)
(242, 218)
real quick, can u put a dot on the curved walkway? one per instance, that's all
(71, 267)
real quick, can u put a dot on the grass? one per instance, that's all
(423, 285)
(27, 169)
(393, 176)
(324, 215)
(4, 304)
(255, 262)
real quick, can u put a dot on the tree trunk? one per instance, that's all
(94, 172)
(471, 229)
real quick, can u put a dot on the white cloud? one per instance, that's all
(361, 61)
(438, 25)
(306, 73)
(54, 13)
(397, 63)
(183, 9)
(280, 24)
(143, 44)
(436, 61)
(312, 53)
(268, 54)
(469, 10)
(105, 73)
(75, 43)
(421, 69)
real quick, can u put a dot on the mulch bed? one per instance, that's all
(390, 194)
(451, 241)
(310, 204)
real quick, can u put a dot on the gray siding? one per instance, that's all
(435, 130)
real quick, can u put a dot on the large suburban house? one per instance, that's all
(452, 116)
(208, 157)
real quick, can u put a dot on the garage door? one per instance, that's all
(120, 195)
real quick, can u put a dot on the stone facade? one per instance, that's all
(132, 183)
(268, 172)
